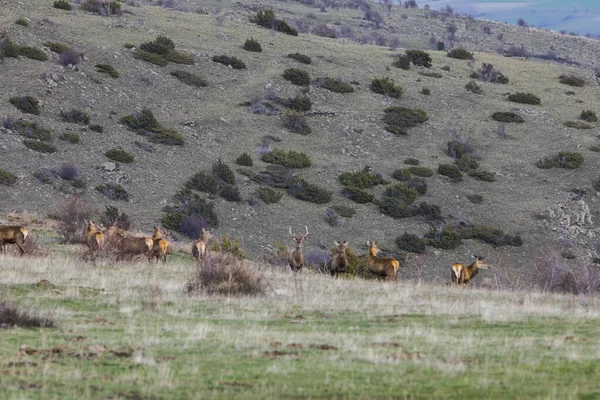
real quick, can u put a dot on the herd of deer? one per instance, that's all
(157, 247)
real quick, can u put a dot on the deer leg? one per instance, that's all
(20, 248)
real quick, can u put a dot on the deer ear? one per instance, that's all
(345, 242)
(336, 243)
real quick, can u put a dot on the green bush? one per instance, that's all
(22, 21)
(179, 57)
(75, 116)
(418, 184)
(485, 176)
(402, 192)
(161, 46)
(252, 45)
(393, 207)
(571, 80)
(431, 212)
(57, 47)
(11, 49)
(62, 5)
(107, 69)
(386, 86)
(578, 125)
(96, 128)
(167, 137)
(564, 159)
(32, 52)
(245, 159)
(359, 179)
(460, 53)
(188, 78)
(344, 211)
(411, 161)
(421, 171)
(297, 76)
(31, 130)
(7, 178)
(38, 146)
(152, 58)
(295, 122)
(594, 148)
(305, 191)
(269, 195)
(223, 172)
(473, 87)
(399, 119)
(431, 74)
(446, 239)
(336, 85)
(358, 195)
(204, 182)
(26, 104)
(524, 98)
(290, 158)
(402, 174)
(144, 123)
(266, 19)
(488, 234)
(119, 155)
(188, 207)
(301, 58)
(411, 243)
(402, 62)
(300, 103)
(426, 91)
(589, 116)
(69, 137)
(451, 171)
(466, 164)
(234, 62)
(230, 193)
(475, 198)
(508, 117)
(419, 57)
(113, 192)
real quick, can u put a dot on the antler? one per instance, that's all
(291, 231)
(306, 234)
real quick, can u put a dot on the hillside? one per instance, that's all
(348, 132)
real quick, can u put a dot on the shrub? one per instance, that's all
(446, 238)
(460, 54)
(411, 242)
(297, 76)
(402, 174)
(508, 117)
(32, 130)
(336, 85)
(75, 116)
(402, 62)
(69, 137)
(402, 192)
(203, 182)
(223, 172)
(418, 184)
(269, 195)
(451, 171)
(488, 234)
(411, 161)
(179, 57)
(96, 128)
(188, 78)
(303, 190)
(487, 73)
(69, 57)
(167, 137)
(22, 21)
(473, 87)
(102, 7)
(152, 58)
(393, 207)
(33, 53)
(466, 164)
(224, 274)
(426, 91)
(578, 125)
(7, 178)
(290, 158)
(231, 246)
(399, 119)
(300, 103)
(359, 179)
(571, 80)
(107, 69)
(144, 123)
(419, 57)
(26, 104)
(594, 148)
(301, 58)
(234, 62)
(112, 217)
(459, 147)
(431, 212)
(588, 115)
(57, 47)
(12, 316)
(62, 5)
(324, 31)
(113, 192)
(485, 176)
(41, 147)
(295, 122)
(333, 218)
(524, 98)
(475, 198)
(188, 205)
(119, 155)
(358, 195)
(266, 19)
(245, 159)
(252, 45)
(386, 86)
(230, 193)
(564, 159)
(344, 211)
(421, 171)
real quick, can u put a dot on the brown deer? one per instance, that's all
(13, 234)
(339, 260)
(200, 246)
(382, 266)
(128, 246)
(462, 274)
(296, 258)
(160, 246)
(94, 237)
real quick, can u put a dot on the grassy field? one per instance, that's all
(129, 331)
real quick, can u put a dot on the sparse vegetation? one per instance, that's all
(578, 125)
(419, 57)
(234, 62)
(290, 158)
(107, 69)
(508, 117)
(358, 195)
(144, 123)
(252, 45)
(295, 122)
(473, 87)
(359, 179)
(41, 147)
(481, 175)
(32, 130)
(269, 195)
(402, 174)
(7, 178)
(386, 86)
(22, 21)
(489, 234)
(152, 58)
(26, 104)
(336, 85)
(113, 192)
(57, 47)
(451, 171)
(188, 78)
(62, 5)
(32, 52)
(244, 159)
(399, 119)
(189, 209)
(589, 116)
(564, 159)
(222, 171)
(571, 80)
(301, 58)
(75, 116)
(411, 243)
(303, 190)
(300, 103)
(297, 76)
(460, 53)
(119, 155)
(96, 128)
(421, 171)
(266, 19)
(524, 98)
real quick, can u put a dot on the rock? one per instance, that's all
(109, 166)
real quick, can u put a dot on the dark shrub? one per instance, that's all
(7, 178)
(485, 176)
(234, 62)
(411, 161)
(68, 172)
(152, 58)
(107, 69)
(188, 78)
(191, 205)
(303, 190)
(301, 58)
(96, 128)
(245, 159)
(460, 53)
(223, 172)
(475, 198)
(12, 316)
(524, 98)
(578, 125)
(336, 85)
(359, 179)
(563, 160)
(102, 7)
(402, 62)
(71, 216)
(290, 158)
(324, 31)
(38, 146)
(11, 49)
(297, 76)
(421, 171)
(487, 73)
(26, 104)
(393, 207)
(161, 48)
(267, 19)
(269, 195)
(418, 184)
(112, 217)
(57, 47)
(451, 171)
(459, 147)
(252, 45)
(144, 120)
(386, 86)
(295, 122)
(75, 116)
(508, 116)
(33, 53)
(411, 242)
(402, 174)
(167, 137)
(32, 130)
(69, 57)
(430, 212)
(419, 57)
(426, 91)
(399, 119)
(62, 5)
(22, 21)
(402, 192)
(473, 87)
(113, 192)
(489, 234)
(344, 211)
(571, 80)
(300, 103)
(466, 164)
(446, 238)
(119, 155)
(358, 195)
(588, 115)
(179, 57)
(230, 193)
(204, 182)
(333, 218)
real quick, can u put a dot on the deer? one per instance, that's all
(94, 237)
(296, 258)
(339, 260)
(382, 266)
(200, 246)
(160, 246)
(128, 246)
(13, 234)
(462, 274)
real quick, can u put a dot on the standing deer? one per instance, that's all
(13, 234)
(339, 260)
(128, 246)
(159, 245)
(462, 274)
(94, 237)
(382, 266)
(296, 258)
(200, 246)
